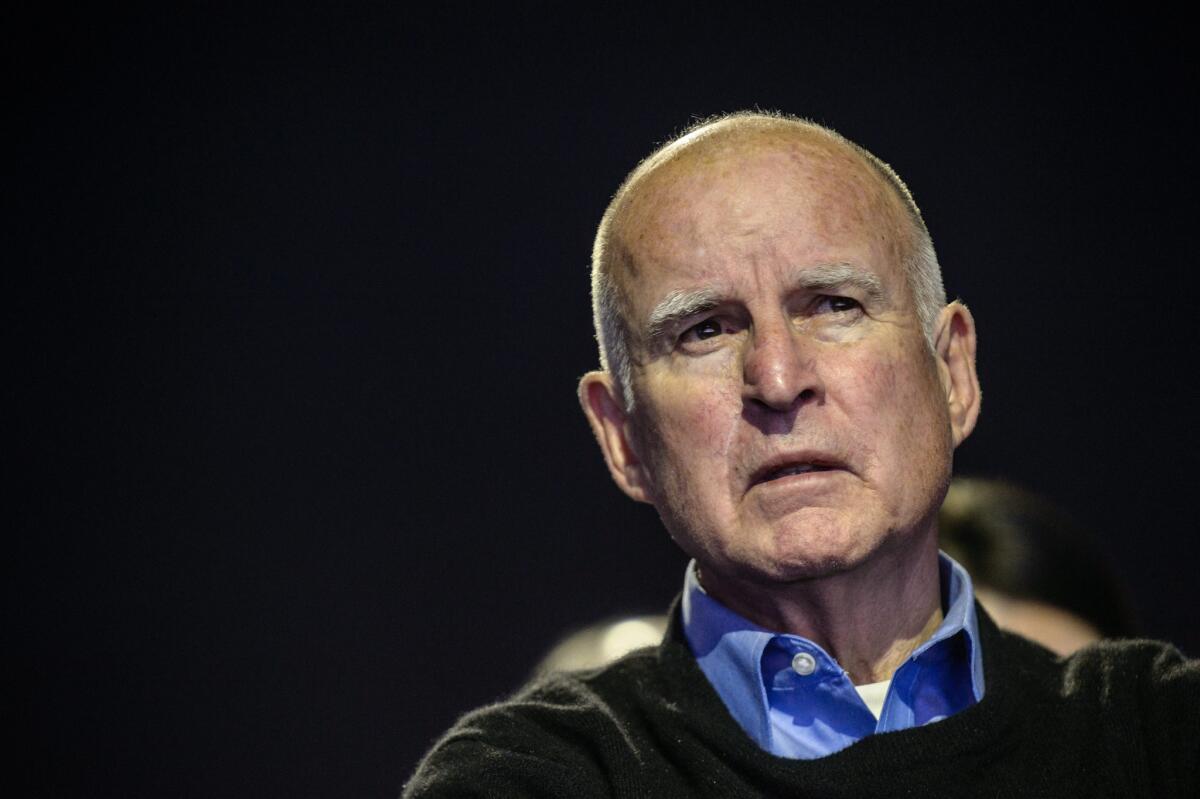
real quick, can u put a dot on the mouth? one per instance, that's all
(788, 466)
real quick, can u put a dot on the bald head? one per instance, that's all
(723, 151)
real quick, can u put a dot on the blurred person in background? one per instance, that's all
(1036, 571)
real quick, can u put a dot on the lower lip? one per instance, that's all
(783, 496)
(800, 479)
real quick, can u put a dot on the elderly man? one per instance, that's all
(785, 383)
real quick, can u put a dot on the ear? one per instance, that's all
(954, 348)
(606, 414)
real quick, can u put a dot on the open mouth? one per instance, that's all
(798, 468)
(777, 472)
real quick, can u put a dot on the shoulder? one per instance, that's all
(1133, 704)
(559, 734)
(1147, 682)
(1107, 672)
(1126, 713)
(1147, 695)
(1146, 673)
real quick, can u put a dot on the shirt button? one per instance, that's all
(804, 664)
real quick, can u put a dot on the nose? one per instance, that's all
(779, 369)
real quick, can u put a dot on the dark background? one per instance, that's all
(298, 301)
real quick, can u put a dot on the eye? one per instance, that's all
(837, 305)
(707, 329)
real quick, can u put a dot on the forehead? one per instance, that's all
(721, 212)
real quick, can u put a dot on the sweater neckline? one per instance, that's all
(687, 689)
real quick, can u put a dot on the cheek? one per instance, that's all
(699, 430)
(688, 441)
(901, 377)
(871, 390)
(895, 403)
(694, 415)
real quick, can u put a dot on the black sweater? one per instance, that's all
(1115, 719)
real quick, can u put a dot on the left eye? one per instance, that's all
(706, 329)
(837, 305)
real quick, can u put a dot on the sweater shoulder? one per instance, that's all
(1106, 673)
(1141, 670)
(1147, 695)
(566, 698)
(559, 734)
(1149, 682)
(1114, 670)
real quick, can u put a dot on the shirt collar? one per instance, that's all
(729, 648)
(958, 604)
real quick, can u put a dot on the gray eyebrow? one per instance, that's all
(824, 277)
(679, 305)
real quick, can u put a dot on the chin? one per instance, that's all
(810, 549)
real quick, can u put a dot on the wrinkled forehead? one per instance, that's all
(730, 200)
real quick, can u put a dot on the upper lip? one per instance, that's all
(783, 460)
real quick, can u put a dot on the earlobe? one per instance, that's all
(954, 348)
(610, 423)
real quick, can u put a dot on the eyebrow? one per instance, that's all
(678, 305)
(826, 277)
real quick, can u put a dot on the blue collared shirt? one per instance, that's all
(818, 712)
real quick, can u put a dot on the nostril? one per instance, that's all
(760, 403)
(803, 398)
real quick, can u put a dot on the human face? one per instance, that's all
(791, 420)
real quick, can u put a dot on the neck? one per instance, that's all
(869, 618)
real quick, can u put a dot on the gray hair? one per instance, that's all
(608, 305)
